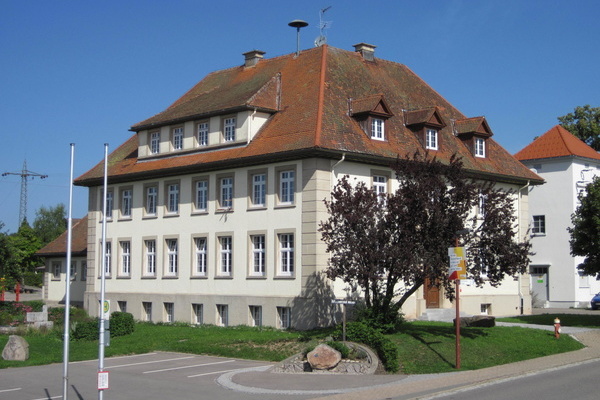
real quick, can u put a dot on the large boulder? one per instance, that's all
(324, 357)
(480, 321)
(16, 349)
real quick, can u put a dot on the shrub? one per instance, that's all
(362, 333)
(6, 318)
(36, 305)
(341, 347)
(121, 323)
(57, 315)
(85, 330)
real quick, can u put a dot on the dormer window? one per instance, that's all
(229, 129)
(479, 149)
(431, 139)
(177, 138)
(377, 131)
(473, 132)
(154, 142)
(202, 133)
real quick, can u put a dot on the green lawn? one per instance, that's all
(577, 320)
(423, 347)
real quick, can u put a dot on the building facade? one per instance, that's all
(567, 165)
(214, 204)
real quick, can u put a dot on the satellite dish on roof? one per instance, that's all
(320, 41)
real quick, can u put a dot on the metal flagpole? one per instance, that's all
(103, 272)
(68, 284)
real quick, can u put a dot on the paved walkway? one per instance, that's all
(367, 387)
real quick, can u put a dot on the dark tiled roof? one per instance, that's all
(557, 142)
(308, 96)
(58, 247)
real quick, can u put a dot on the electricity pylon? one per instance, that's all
(25, 175)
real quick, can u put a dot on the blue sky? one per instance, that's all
(83, 72)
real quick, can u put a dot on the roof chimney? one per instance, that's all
(366, 50)
(252, 57)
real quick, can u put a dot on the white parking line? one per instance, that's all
(216, 372)
(9, 390)
(148, 362)
(188, 366)
(113, 358)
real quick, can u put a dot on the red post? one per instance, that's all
(17, 291)
(2, 295)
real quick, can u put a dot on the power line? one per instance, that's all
(25, 174)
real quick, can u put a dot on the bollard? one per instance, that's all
(556, 327)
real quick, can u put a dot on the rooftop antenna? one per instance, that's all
(298, 23)
(24, 174)
(322, 39)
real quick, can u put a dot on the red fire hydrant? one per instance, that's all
(556, 328)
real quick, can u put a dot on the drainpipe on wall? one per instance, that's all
(519, 232)
(338, 163)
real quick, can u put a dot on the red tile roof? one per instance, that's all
(557, 142)
(58, 247)
(308, 98)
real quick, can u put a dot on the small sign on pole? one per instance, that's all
(458, 263)
(344, 303)
(102, 380)
(105, 310)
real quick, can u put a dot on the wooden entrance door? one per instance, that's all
(432, 294)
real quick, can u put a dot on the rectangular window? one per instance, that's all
(151, 200)
(222, 315)
(107, 259)
(479, 147)
(431, 139)
(258, 255)
(226, 255)
(73, 270)
(202, 134)
(169, 312)
(380, 185)
(200, 267)
(226, 197)
(173, 198)
(286, 187)
(197, 314)
(172, 257)
(229, 129)
(122, 305)
(259, 189)
(286, 254)
(147, 310)
(201, 199)
(150, 258)
(56, 267)
(84, 270)
(154, 142)
(255, 316)
(377, 129)
(284, 317)
(481, 200)
(539, 225)
(125, 258)
(126, 195)
(109, 204)
(177, 139)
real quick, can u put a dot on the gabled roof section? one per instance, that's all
(58, 247)
(427, 116)
(557, 142)
(472, 126)
(373, 105)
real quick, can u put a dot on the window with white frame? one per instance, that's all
(125, 258)
(83, 270)
(173, 198)
(73, 270)
(229, 129)
(122, 305)
(107, 259)
(151, 200)
(479, 144)
(200, 250)
(172, 257)
(126, 202)
(201, 198)
(197, 313)
(222, 315)
(284, 317)
(202, 133)
(481, 200)
(226, 193)
(150, 257)
(258, 255)
(380, 185)
(225, 249)
(259, 189)
(377, 129)
(147, 311)
(286, 186)
(169, 312)
(286, 254)
(154, 142)
(539, 225)
(255, 315)
(177, 138)
(431, 139)
(109, 204)
(56, 267)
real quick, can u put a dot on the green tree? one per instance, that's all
(21, 248)
(585, 232)
(584, 122)
(391, 245)
(49, 223)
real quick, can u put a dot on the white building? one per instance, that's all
(567, 165)
(215, 203)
